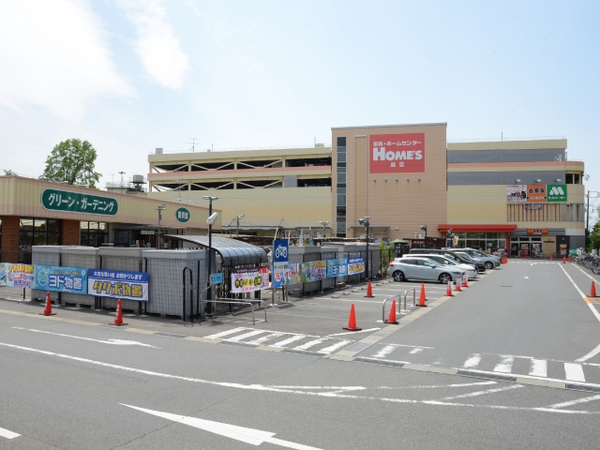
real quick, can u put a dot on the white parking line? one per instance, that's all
(8, 434)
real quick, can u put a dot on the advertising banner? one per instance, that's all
(250, 279)
(356, 265)
(281, 275)
(397, 153)
(17, 275)
(516, 193)
(295, 273)
(61, 279)
(314, 271)
(337, 268)
(117, 284)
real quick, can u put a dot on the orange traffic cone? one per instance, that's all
(352, 322)
(48, 309)
(392, 318)
(119, 315)
(465, 278)
(593, 291)
(564, 259)
(551, 257)
(457, 287)
(569, 259)
(422, 298)
(369, 291)
(449, 290)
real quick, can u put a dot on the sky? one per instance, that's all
(133, 75)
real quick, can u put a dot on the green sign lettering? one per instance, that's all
(76, 202)
(182, 215)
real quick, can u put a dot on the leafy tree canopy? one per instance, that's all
(9, 172)
(72, 161)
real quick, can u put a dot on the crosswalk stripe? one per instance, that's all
(384, 351)
(334, 347)
(309, 344)
(269, 336)
(505, 366)
(289, 340)
(225, 333)
(473, 361)
(246, 335)
(574, 372)
(539, 368)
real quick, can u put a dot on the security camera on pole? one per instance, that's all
(424, 228)
(365, 223)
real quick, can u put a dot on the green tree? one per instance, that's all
(594, 236)
(72, 161)
(9, 172)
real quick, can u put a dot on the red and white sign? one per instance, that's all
(397, 153)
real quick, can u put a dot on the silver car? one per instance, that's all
(422, 269)
(444, 261)
(491, 262)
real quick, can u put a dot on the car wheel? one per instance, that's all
(489, 265)
(444, 278)
(398, 275)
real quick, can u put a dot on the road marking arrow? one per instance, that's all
(243, 434)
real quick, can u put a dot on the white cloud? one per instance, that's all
(157, 46)
(53, 55)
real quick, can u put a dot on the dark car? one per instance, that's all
(450, 254)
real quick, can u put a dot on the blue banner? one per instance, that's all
(117, 284)
(61, 279)
(356, 265)
(337, 268)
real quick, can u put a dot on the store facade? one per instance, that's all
(36, 212)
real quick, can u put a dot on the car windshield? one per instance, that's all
(467, 257)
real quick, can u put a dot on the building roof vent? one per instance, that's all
(159, 150)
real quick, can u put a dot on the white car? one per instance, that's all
(422, 269)
(441, 259)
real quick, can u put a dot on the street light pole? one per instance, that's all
(210, 222)
(160, 209)
(324, 223)
(366, 223)
(424, 228)
(237, 218)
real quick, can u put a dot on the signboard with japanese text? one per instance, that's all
(281, 274)
(119, 285)
(76, 202)
(314, 271)
(17, 275)
(182, 215)
(216, 278)
(249, 279)
(397, 153)
(536, 193)
(356, 265)
(295, 273)
(61, 279)
(337, 268)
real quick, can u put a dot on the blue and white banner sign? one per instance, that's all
(337, 268)
(117, 284)
(356, 265)
(61, 279)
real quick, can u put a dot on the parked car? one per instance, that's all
(449, 254)
(469, 269)
(422, 269)
(490, 262)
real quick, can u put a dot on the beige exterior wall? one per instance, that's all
(22, 197)
(405, 205)
(266, 207)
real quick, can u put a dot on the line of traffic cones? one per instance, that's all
(119, 316)
(351, 322)
(48, 308)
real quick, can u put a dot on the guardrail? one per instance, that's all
(399, 296)
(242, 302)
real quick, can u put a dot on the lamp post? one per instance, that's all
(160, 209)
(211, 220)
(237, 218)
(324, 223)
(365, 223)
(424, 228)
(449, 236)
